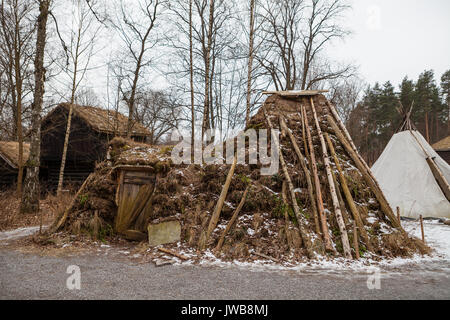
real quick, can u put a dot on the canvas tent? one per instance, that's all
(406, 177)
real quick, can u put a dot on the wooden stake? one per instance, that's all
(61, 222)
(218, 209)
(334, 197)
(348, 196)
(320, 207)
(437, 173)
(262, 255)
(385, 208)
(355, 241)
(398, 215)
(302, 161)
(173, 253)
(350, 141)
(232, 220)
(421, 228)
(300, 219)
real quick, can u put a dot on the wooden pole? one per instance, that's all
(355, 240)
(302, 161)
(348, 196)
(232, 220)
(300, 219)
(421, 228)
(61, 221)
(173, 253)
(398, 215)
(350, 141)
(321, 209)
(385, 208)
(334, 197)
(437, 173)
(218, 209)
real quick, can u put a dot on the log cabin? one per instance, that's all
(9, 161)
(442, 148)
(91, 130)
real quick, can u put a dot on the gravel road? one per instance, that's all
(31, 276)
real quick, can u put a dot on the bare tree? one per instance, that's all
(158, 112)
(322, 27)
(345, 95)
(135, 32)
(30, 196)
(250, 59)
(82, 39)
(296, 32)
(16, 52)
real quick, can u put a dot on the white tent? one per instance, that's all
(407, 180)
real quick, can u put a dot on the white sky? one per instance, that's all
(394, 38)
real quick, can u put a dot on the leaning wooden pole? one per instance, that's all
(437, 173)
(348, 196)
(337, 209)
(63, 219)
(320, 207)
(302, 161)
(218, 209)
(385, 208)
(300, 219)
(232, 220)
(344, 130)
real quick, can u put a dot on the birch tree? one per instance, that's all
(83, 34)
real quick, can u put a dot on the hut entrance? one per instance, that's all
(133, 198)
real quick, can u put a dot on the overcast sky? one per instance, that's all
(390, 39)
(394, 38)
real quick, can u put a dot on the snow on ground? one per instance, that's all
(437, 236)
(18, 233)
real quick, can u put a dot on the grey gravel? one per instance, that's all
(31, 276)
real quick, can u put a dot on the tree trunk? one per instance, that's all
(191, 71)
(250, 60)
(30, 194)
(205, 124)
(19, 114)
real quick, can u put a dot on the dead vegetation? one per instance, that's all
(275, 219)
(50, 206)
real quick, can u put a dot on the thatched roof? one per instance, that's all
(9, 151)
(442, 145)
(107, 121)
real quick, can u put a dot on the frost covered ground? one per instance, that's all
(437, 236)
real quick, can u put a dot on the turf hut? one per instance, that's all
(9, 161)
(323, 200)
(91, 130)
(442, 148)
